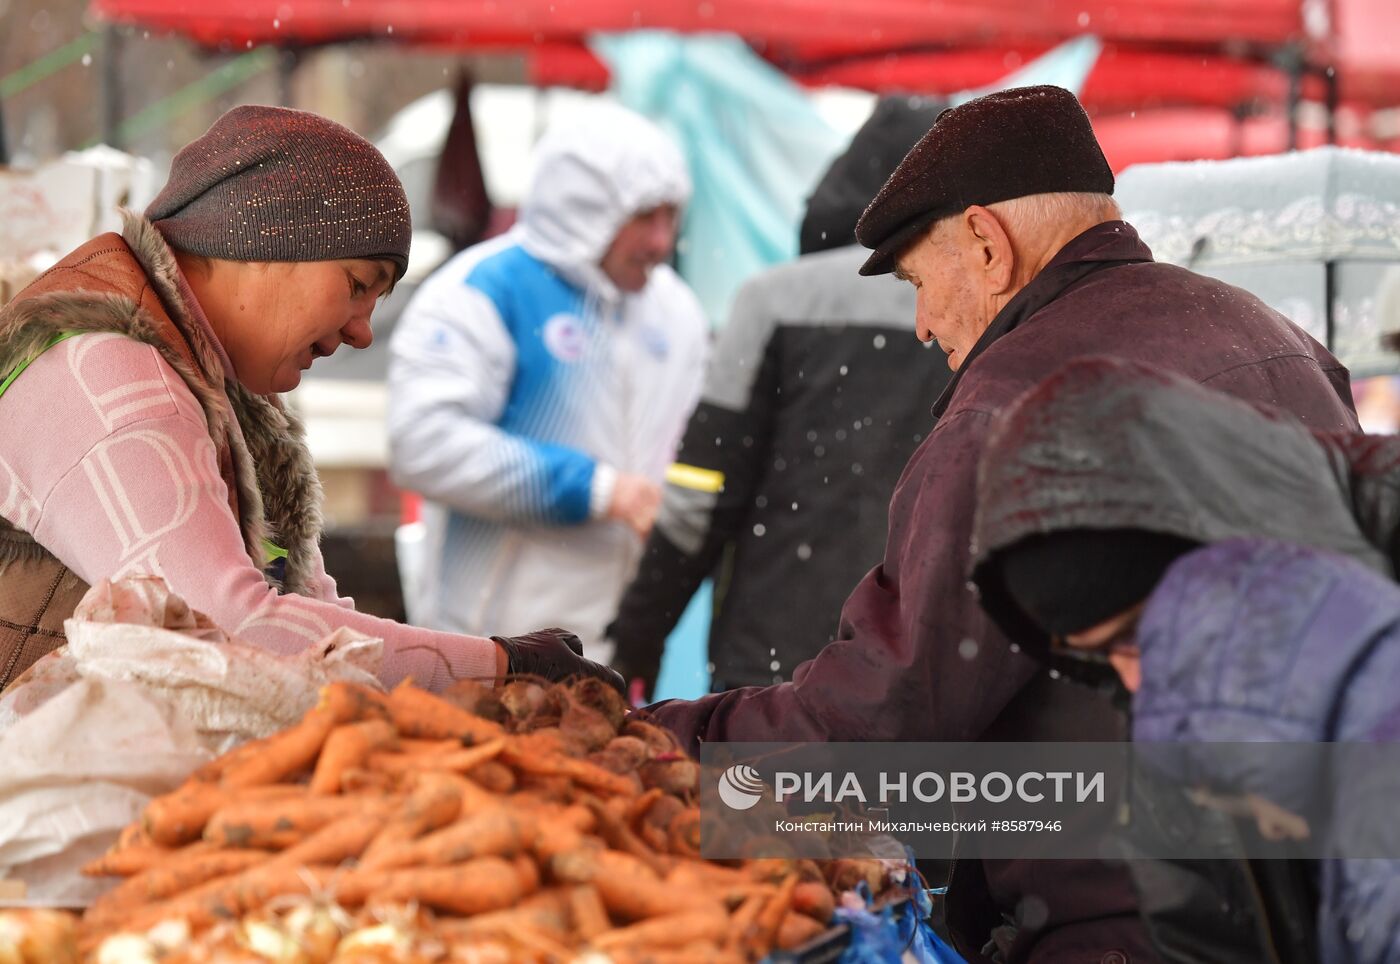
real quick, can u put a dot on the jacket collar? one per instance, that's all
(1102, 246)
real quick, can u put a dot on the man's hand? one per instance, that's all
(635, 501)
(555, 654)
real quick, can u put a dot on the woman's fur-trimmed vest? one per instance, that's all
(127, 284)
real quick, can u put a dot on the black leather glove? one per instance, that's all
(638, 664)
(555, 654)
(640, 677)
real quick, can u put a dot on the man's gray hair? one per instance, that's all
(1062, 207)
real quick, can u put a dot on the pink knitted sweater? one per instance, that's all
(105, 460)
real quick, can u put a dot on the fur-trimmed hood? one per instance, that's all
(130, 285)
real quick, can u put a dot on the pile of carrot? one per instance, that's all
(525, 823)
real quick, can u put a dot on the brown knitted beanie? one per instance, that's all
(271, 184)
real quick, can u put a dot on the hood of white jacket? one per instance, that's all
(593, 171)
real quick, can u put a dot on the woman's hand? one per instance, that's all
(555, 654)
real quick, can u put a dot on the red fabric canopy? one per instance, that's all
(1208, 53)
(809, 28)
(1125, 77)
(1188, 134)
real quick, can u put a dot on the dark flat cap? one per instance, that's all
(1026, 140)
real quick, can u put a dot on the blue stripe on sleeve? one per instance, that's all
(567, 479)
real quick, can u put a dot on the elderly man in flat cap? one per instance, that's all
(1002, 219)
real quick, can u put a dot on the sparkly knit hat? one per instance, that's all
(1026, 140)
(271, 184)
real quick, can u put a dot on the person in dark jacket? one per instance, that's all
(1001, 217)
(1236, 570)
(788, 463)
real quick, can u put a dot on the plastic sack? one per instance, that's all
(145, 692)
(78, 769)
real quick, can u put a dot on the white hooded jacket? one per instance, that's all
(522, 381)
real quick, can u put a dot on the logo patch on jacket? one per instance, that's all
(565, 337)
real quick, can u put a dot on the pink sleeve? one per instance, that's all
(125, 480)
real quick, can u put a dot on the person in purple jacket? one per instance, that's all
(1002, 219)
(1236, 570)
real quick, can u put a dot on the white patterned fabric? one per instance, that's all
(1271, 225)
(1325, 204)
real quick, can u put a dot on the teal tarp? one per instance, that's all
(755, 143)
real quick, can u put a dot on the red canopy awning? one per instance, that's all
(1189, 134)
(809, 27)
(1211, 53)
(1125, 77)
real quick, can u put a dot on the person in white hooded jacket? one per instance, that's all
(539, 383)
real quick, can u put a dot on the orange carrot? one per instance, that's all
(528, 870)
(446, 755)
(395, 764)
(590, 916)
(420, 714)
(815, 899)
(697, 875)
(213, 771)
(546, 911)
(346, 747)
(475, 887)
(350, 703)
(132, 835)
(358, 780)
(126, 861)
(232, 895)
(543, 945)
(463, 761)
(345, 839)
(283, 754)
(796, 930)
(552, 840)
(247, 891)
(499, 832)
(342, 840)
(762, 935)
(434, 801)
(699, 952)
(656, 822)
(638, 808)
(619, 836)
(684, 833)
(275, 824)
(628, 887)
(580, 771)
(186, 868)
(494, 776)
(743, 919)
(672, 930)
(179, 816)
(554, 789)
(415, 747)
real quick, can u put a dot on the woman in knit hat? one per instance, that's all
(1236, 571)
(140, 429)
